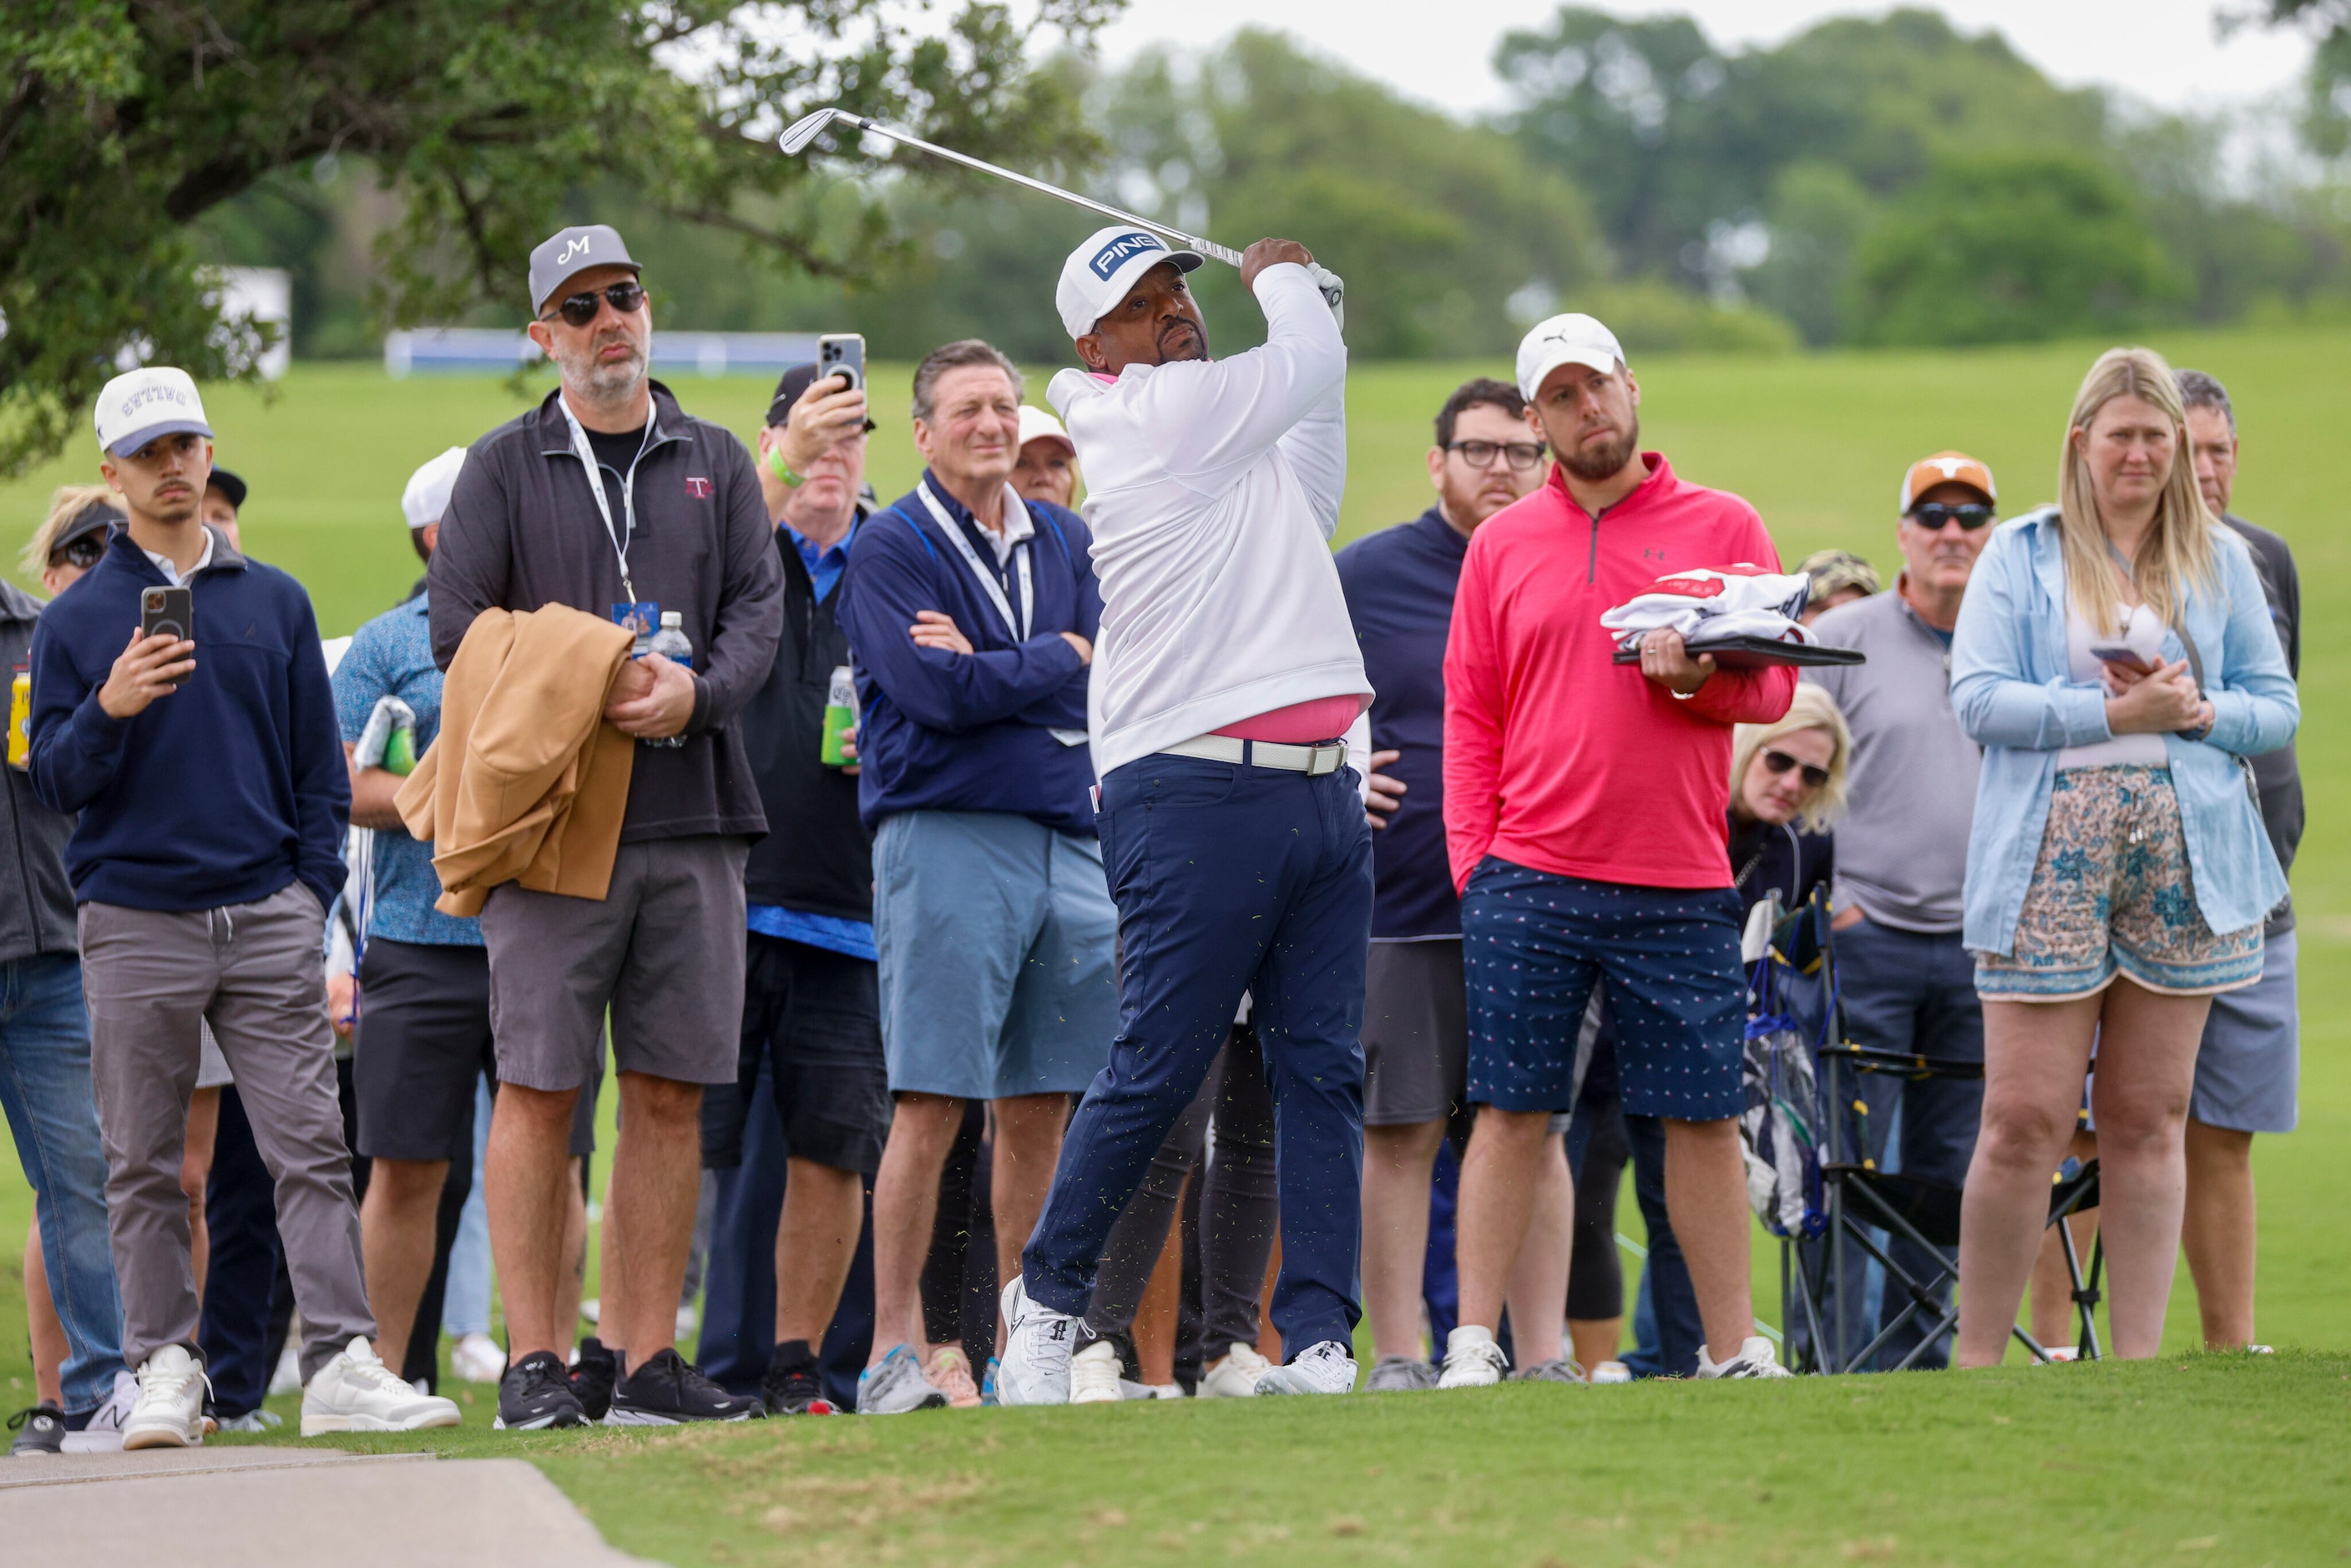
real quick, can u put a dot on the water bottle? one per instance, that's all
(671, 643)
(839, 717)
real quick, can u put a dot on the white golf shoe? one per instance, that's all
(356, 1392)
(1756, 1358)
(1093, 1375)
(170, 1411)
(1323, 1367)
(1472, 1359)
(1233, 1374)
(1035, 1367)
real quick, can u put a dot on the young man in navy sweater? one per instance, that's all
(206, 904)
(973, 615)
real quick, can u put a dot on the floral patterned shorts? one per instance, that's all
(2111, 894)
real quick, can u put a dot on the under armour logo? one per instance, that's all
(698, 489)
(1653, 555)
(577, 248)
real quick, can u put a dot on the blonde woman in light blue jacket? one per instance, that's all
(2115, 659)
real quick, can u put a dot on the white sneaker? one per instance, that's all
(1756, 1358)
(254, 1421)
(1323, 1367)
(477, 1358)
(1035, 1367)
(104, 1433)
(170, 1411)
(1472, 1359)
(1612, 1372)
(1235, 1375)
(2060, 1353)
(895, 1385)
(1093, 1374)
(357, 1393)
(1158, 1391)
(287, 1378)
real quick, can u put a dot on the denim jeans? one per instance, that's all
(45, 1089)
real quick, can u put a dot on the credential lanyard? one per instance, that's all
(988, 581)
(587, 455)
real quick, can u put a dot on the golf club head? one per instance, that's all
(804, 130)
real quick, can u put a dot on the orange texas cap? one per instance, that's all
(1945, 468)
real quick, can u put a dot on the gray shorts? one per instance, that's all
(996, 937)
(1415, 1033)
(2251, 1061)
(663, 949)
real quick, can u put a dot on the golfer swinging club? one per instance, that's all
(1227, 686)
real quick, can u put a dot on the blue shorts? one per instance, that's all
(996, 937)
(1534, 945)
(2250, 1065)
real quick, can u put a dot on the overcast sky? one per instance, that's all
(2162, 50)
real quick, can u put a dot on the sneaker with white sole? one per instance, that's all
(40, 1431)
(1093, 1374)
(1155, 1391)
(1233, 1374)
(169, 1409)
(1612, 1372)
(1037, 1344)
(287, 1377)
(356, 1392)
(667, 1390)
(1472, 1359)
(1323, 1367)
(477, 1358)
(1401, 1375)
(102, 1433)
(253, 1421)
(1557, 1369)
(895, 1385)
(1756, 1358)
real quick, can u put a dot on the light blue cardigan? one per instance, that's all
(2012, 687)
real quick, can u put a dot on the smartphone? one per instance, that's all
(2121, 654)
(842, 354)
(171, 611)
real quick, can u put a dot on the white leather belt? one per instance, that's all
(1312, 760)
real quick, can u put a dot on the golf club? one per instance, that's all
(805, 130)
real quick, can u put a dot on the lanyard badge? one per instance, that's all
(988, 581)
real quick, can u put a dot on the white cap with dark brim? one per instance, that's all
(426, 499)
(1098, 273)
(140, 405)
(1573, 339)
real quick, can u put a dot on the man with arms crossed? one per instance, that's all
(1583, 810)
(2248, 1070)
(1907, 983)
(608, 495)
(1399, 584)
(973, 613)
(1232, 831)
(205, 902)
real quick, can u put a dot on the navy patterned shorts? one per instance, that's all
(1534, 945)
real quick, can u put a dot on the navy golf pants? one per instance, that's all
(1228, 878)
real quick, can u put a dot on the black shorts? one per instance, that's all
(813, 1019)
(422, 1042)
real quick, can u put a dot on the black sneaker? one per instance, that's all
(793, 1391)
(592, 1377)
(666, 1392)
(536, 1393)
(39, 1430)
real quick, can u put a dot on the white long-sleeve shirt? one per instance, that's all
(1213, 490)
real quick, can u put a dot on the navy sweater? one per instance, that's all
(220, 793)
(1399, 584)
(969, 732)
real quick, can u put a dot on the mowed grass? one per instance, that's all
(2213, 1458)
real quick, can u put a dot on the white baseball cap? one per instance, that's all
(1573, 339)
(426, 499)
(1036, 424)
(140, 405)
(1100, 272)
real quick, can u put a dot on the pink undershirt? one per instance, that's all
(1299, 724)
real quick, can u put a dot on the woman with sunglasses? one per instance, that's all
(2114, 658)
(72, 537)
(1787, 784)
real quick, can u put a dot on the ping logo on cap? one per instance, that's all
(1114, 255)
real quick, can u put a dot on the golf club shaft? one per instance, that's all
(1205, 246)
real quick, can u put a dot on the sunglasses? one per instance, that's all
(84, 552)
(1932, 514)
(580, 308)
(1776, 762)
(1521, 454)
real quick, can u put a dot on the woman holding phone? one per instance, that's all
(2114, 657)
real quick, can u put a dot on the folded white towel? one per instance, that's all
(1712, 605)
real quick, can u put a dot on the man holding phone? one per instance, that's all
(205, 905)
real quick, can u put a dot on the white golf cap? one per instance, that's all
(426, 499)
(1036, 424)
(140, 405)
(1573, 339)
(1100, 272)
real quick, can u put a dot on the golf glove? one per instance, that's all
(1335, 291)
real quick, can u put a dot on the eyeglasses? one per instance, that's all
(1932, 514)
(580, 308)
(84, 552)
(1776, 762)
(1523, 454)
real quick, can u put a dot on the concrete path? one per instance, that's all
(196, 1508)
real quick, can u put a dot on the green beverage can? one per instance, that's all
(400, 751)
(839, 717)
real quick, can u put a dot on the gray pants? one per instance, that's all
(253, 972)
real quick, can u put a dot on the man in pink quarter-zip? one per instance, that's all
(1226, 685)
(1583, 816)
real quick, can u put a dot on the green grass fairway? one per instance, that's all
(2221, 1459)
